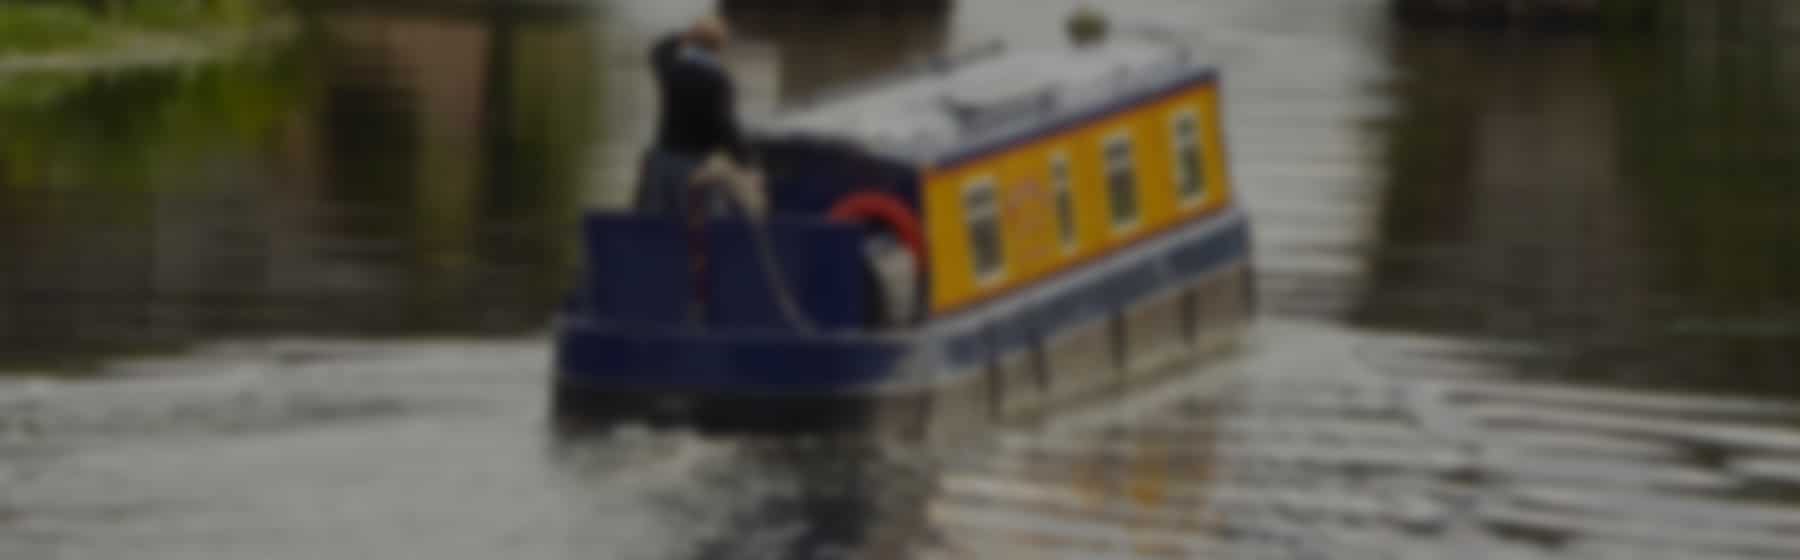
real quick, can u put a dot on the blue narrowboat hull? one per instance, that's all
(1176, 297)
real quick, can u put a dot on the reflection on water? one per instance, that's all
(382, 174)
(1619, 201)
(1356, 461)
(1480, 255)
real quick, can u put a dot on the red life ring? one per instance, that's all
(890, 212)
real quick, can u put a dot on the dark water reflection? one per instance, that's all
(380, 174)
(1624, 201)
(1480, 254)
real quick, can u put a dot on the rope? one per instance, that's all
(764, 243)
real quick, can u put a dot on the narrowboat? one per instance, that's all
(975, 238)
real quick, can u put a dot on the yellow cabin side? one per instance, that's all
(1015, 190)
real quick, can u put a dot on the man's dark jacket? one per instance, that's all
(699, 114)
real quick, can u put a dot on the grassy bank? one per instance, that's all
(43, 27)
(29, 28)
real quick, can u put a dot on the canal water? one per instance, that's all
(1523, 297)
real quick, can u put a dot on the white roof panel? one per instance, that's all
(929, 114)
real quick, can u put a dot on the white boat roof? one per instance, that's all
(941, 110)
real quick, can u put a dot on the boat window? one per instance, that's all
(1190, 161)
(982, 210)
(1060, 184)
(1121, 182)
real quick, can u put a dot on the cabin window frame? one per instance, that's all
(1114, 167)
(1195, 148)
(981, 208)
(1062, 193)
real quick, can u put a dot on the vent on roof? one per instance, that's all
(981, 110)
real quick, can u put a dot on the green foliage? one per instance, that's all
(126, 128)
(32, 28)
(189, 14)
(27, 92)
(60, 25)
